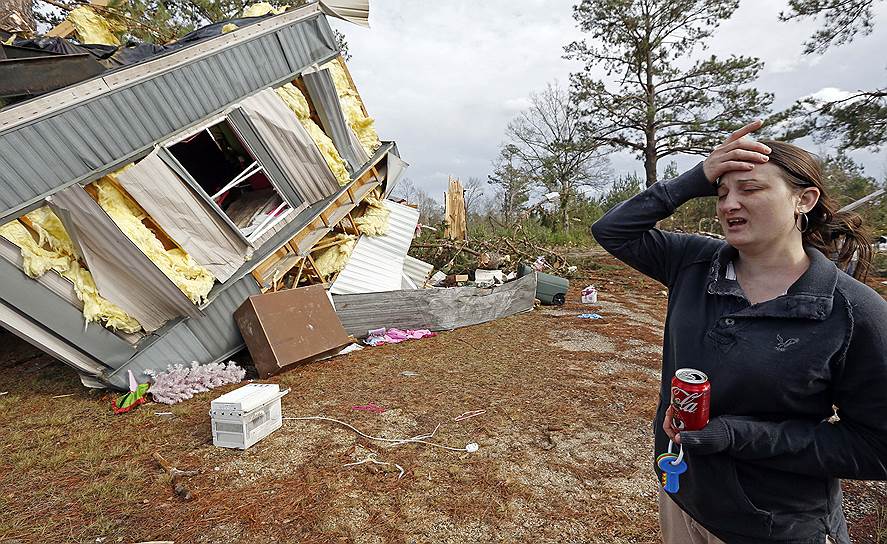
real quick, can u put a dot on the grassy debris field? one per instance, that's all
(565, 443)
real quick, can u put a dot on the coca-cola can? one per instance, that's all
(691, 399)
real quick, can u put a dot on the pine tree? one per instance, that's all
(656, 100)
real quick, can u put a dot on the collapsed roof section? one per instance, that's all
(164, 193)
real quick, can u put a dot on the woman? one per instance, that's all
(783, 336)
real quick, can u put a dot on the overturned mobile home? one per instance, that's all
(141, 207)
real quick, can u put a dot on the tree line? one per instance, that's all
(662, 97)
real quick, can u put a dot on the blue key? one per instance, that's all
(672, 471)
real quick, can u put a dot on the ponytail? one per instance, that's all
(840, 236)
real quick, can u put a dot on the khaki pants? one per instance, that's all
(679, 528)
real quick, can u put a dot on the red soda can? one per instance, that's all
(691, 399)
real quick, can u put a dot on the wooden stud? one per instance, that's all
(353, 86)
(299, 273)
(314, 266)
(353, 224)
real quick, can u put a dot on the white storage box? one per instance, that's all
(246, 415)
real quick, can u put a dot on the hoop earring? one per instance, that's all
(805, 222)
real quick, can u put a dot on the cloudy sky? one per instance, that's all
(444, 78)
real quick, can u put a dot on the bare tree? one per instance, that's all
(511, 182)
(550, 147)
(473, 192)
(431, 211)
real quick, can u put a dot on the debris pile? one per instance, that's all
(197, 203)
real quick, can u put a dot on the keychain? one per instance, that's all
(672, 466)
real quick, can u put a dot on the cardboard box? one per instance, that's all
(288, 327)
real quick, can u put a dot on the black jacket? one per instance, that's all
(766, 467)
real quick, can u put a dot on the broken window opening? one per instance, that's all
(231, 175)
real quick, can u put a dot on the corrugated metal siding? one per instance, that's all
(322, 92)
(54, 313)
(217, 331)
(435, 309)
(289, 143)
(185, 217)
(86, 140)
(27, 329)
(58, 285)
(177, 344)
(122, 273)
(304, 46)
(286, 187)
(377, 261)
(418, 271)
(395, 167)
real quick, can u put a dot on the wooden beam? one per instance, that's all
(299, 273)
(341, 61)
(314, 267)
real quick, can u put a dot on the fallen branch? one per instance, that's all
(175, 474)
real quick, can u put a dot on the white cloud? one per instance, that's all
(830, 94)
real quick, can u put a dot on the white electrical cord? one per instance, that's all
(420, 439)
(371, 459)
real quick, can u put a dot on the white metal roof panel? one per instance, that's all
(377, 262)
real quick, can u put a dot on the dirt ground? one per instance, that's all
(565, 443)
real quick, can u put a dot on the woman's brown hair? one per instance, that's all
(841, 236)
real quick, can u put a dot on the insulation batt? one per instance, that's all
(372, 216)
(92, 28)
(332, 260)
(62, 259)
(352, 107)
(230, 27)
(194, 280)
(295, 100)
(262, 8)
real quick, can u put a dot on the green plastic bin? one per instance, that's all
(551, 290)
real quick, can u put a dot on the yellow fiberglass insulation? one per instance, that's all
(62, 259)
(333, 259)
(194, 280)
(50, 231)
(295, 100)
(36, 261)
(92, 28)
(230, 27)
(352, 107)
(262, 8)
(371, 218)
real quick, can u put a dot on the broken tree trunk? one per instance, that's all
(455, 211)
